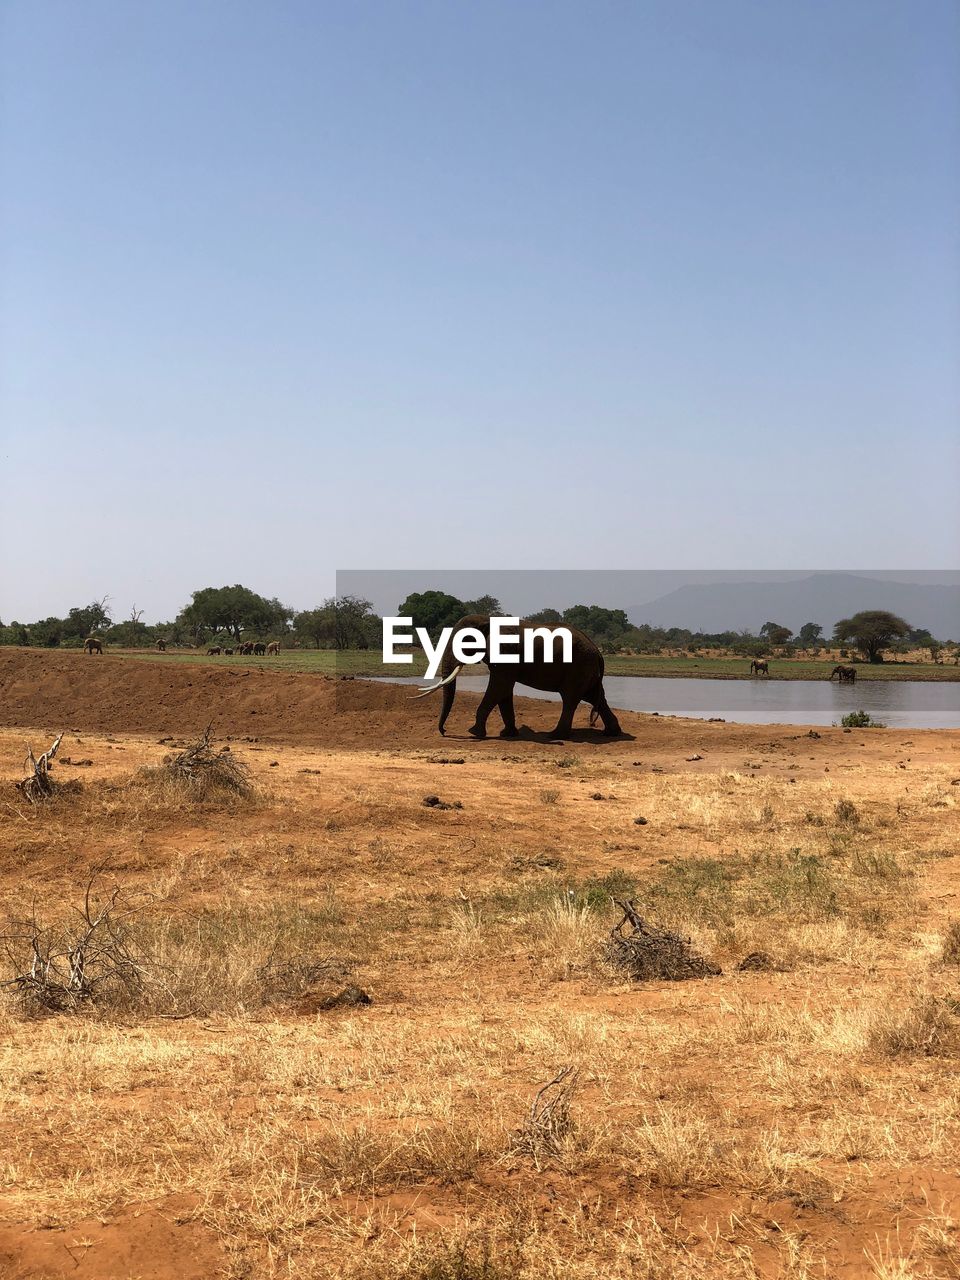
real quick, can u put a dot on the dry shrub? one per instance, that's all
(549, 1124)
(199, 774)
(119, 955)
(846, 813)
(363, 1157)
(776, 902)
(648, 953)
(938, 1239)
(87, 960)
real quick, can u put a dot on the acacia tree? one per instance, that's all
(871, 631)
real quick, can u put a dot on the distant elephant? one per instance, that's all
(273, 647)
(92, 645)
(580, 680)
(759, 667)
(161, 646)
(259, 649)
(214, 649)
(845, 675)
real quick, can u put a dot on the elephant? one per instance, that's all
(213, 650)
(92, 645)
(580, 680)
(273, 647)
(845, 675)
(259, 649)
(759, 667)
(161, 646)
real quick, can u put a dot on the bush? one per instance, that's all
(201, 773)
(847, 812)
(861, 720)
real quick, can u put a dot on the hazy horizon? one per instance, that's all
(289, 286)
(521, 590)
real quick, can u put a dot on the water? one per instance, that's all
(902, 704)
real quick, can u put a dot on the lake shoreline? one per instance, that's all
(909, 706)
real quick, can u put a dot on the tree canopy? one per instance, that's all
(347, 622)
(434, 610)
(809, 634)
(233, 609)
(871, 631)
(775, 632)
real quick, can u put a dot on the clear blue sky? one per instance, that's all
(287, 287)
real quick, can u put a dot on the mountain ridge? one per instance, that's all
(822, 597)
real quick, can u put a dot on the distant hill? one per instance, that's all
(823, 598)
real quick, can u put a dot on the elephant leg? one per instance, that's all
(489, 700)
(565, 724)
(508, 716)
(611, 725)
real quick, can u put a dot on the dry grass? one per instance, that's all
(397, 1142)
(950, 946)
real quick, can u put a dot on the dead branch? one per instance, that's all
(204, 769)
(38, 785)
(549, 1121)
(58, 969)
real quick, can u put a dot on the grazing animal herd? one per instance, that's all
(249, 648)
(93, 644)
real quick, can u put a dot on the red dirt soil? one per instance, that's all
(54, 691)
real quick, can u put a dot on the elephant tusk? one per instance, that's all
(439, 685)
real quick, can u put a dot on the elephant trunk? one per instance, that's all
(449, 693)
(449, 670)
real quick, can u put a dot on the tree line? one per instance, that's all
(349, 622)
(213, 613)
(871, 632)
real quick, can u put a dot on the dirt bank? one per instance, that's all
(113, 695)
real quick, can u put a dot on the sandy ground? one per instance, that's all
(797, 1120)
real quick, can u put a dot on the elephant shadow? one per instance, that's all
(596, 736)
(526, 734)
